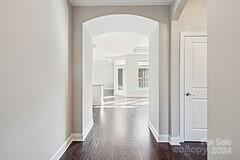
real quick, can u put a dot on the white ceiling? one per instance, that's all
(114, 44)
(119, 2)
(121, 34)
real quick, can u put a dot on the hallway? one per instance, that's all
(123, 134)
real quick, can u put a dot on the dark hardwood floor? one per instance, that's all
(123, 134)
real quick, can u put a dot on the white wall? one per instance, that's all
(154, 80)
(35, 99)
(130, 76)
(223, 75)
(87, 91)
(192, 19)
(103, 74)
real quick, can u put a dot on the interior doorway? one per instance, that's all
(122, 23)
(120, 70)
(194, 87)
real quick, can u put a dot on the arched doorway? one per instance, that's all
(120, 23)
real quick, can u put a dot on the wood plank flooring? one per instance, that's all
(123, 134)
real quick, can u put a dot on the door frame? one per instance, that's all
(183, 35)
(123, 91)
(156, 39)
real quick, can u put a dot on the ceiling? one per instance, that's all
(119, 2)
(114, 44)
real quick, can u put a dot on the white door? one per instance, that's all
(196, 88)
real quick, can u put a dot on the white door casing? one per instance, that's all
(117, 91)
(194, 87)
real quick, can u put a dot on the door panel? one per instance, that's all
(196, 88)
(198, 113)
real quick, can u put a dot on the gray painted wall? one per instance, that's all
(35, 99)
(223, 75)
(192, 19)
(83, 14)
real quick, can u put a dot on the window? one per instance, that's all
(120, 78)
(142, 77)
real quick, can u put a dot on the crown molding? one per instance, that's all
(119, 3)
(177, 8)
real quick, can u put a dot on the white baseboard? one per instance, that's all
(154, 131)
(87, 130)
(73, 137)
(77, 137)
(81, 137)
(62, 148)
(161, 138)
(175, 141)
(164, 138)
